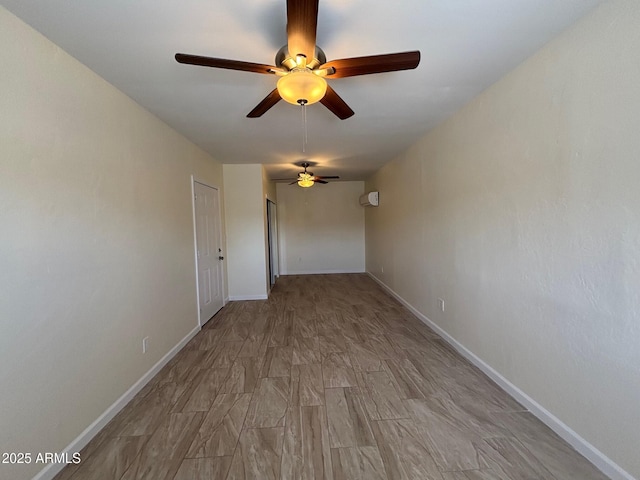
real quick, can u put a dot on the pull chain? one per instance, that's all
(303, 103)
(304, 110)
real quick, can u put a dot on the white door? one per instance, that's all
(208, 250)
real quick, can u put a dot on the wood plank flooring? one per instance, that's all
(330, 378)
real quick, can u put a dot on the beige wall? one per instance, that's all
(246, 235)
(96, 243)
(268, 187)
(321, 229)
(523, 213)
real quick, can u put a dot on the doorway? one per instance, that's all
(209, 255)
(272, 239)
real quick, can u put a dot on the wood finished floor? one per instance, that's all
(330, 378)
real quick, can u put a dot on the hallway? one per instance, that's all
(331, 378)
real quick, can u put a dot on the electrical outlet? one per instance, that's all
(145, 344)
(441, 304)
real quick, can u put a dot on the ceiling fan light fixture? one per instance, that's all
(305, 180)
(302, 87)
(306, 183)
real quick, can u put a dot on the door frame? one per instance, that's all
(273, 262)
(195, 180)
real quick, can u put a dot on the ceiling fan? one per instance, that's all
(302, 65)
(307, 179)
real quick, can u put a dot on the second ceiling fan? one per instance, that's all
(302, 65)
(307, 179)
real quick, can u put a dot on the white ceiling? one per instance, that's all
(466, 45)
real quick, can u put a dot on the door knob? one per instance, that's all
(221, 258)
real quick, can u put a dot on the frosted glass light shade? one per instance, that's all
(305, 180)
(302, 87)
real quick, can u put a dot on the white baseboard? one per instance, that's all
(92, 430)
(591, 453)
(322, 272)
(235, 298)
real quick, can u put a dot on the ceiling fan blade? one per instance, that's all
(302, 23)
(350, 67)
(322, 177)
(268, 102)
(320, 181)
(224, 63)
(333, 102)
(294, 182)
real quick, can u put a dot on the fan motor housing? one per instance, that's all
(283, 58)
